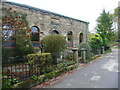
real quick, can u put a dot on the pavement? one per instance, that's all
(99, 73)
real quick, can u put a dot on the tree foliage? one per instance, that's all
(96, 41)
(105, 27)
(17, 21)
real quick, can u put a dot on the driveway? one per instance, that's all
(99, 73)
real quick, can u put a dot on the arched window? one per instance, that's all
(55, 32)
(70, 39)
(8, 36)
(80, 38)
(35, 36)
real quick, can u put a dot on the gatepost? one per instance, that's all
(75, 55)
(83, 50)
(103, 50)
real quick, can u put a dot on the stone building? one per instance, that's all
(44, 23)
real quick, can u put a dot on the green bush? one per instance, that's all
(41, 62)
(96, 42)
(35, 80)
(7, 53)
(24, 46)
(88, 52)
(8, 82)
(54, 44)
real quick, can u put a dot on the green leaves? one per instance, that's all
(54, 44)
(105, 26)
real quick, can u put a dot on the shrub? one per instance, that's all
(8, 82)
(96, 42)
(18, 22)
(39, 62)
(35, 80)
(88, 52)
(23, 46)
(54, 44)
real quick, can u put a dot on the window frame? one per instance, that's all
(38, 32)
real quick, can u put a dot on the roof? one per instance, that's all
(45, 11)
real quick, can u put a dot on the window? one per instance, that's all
(70, 39)
(80, 38)
(54, 32)
(8, 36)
(35, 36)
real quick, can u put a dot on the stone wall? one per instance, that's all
(47, 21)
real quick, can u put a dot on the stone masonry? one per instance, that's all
(48, 21)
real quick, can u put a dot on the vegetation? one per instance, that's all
(87, 48)
(54, 44)
(96, 43)
(16, 21)
(42, 62)
(35, 79)
(116, 19)
(104, 28)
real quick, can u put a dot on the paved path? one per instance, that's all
(100, 73)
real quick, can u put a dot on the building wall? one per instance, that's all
(46, 22)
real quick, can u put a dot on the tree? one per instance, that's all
(54, 44)
(15, 22)
(96, 42)
(116, 19)
(105, 27)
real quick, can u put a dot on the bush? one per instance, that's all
(39, 62)
(88, 52)
(18, 22)
(7, 53)
(54, 44)
(96, 43)
(35, 80)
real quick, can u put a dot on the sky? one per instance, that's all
(86, 10)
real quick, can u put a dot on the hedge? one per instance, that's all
(40, 62)
(42, 78)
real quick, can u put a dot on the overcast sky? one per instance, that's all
(86, 10)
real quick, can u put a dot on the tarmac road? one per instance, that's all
(99, 73)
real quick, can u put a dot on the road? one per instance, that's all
(99, 73)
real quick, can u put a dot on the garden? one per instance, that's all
(23, 66)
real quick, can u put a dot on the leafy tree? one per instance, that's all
(104, 27)
(96, 42)
(54, 44)
(17, 21)
(116, 19)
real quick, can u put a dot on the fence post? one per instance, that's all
(103, 50)
(75, 55)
